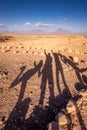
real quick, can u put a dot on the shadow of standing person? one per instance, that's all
(77, 70)
(17, 116)
(26, 76)
(59, 70)
(47, 75)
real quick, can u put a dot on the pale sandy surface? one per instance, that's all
(27, 53)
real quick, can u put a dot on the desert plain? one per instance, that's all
(43, 82)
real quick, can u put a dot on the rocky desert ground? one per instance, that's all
(43, 82)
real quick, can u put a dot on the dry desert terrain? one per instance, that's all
(43, 82)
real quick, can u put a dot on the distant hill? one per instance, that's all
(62, 31)
(36, 32)
(83, 33)
(42, 32)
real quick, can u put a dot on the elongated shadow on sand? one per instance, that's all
(47, 75)
(40, 117)
(59, 70)
(17, 116)
(78, 71)
(25, 77)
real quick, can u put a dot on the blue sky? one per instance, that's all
(48, 15)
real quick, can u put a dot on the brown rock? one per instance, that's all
(71, 106)
(83, 93)
(76, 59)
(61, 119)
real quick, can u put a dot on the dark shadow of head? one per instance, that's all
(79, 86)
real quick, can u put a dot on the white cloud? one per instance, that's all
(27, 24)
(43, 25)
(2, 25)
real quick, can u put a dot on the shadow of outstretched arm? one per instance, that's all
(18, 78)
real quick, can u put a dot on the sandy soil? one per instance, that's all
(38, 76)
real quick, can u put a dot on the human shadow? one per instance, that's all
(40, 116)
(59, 70)
(23, 78)
(17, 116)
(78, 71)
(47, 75)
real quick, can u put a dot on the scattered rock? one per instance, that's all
(71, 106)
(26, 51)
(3, 72)
(77, 52)
(8, 47)
(62, 119)
(7, 50)
(83, 92)
(76, 59)
(1, 124)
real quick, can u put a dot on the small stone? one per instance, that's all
(77, 52)
(8, 47)
(53, 126)
(62, 119)
(3, 47)
(71, 106)
(4, 76)
(40, 105)
(1, 123)
(7, 50)
(83, 93)
(76, 59)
